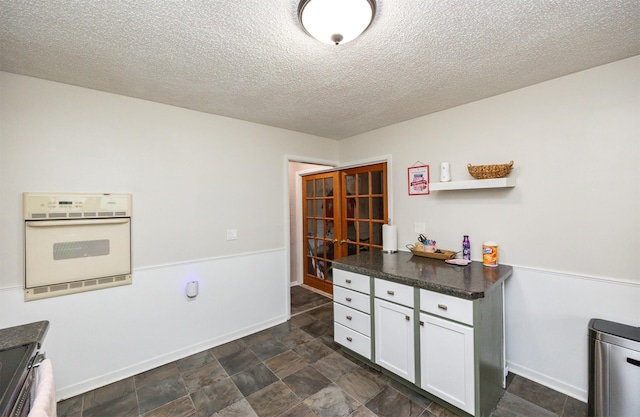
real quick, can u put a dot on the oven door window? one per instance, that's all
(62, 251)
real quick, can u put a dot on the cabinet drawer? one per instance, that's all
(351, 280)
(352, 340)
(352, 299)
(352, 319)
(394, 292)
(446, 306)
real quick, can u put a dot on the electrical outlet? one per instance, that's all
(419, 228)
(232, 234)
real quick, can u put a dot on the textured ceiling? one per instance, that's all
(250, 60)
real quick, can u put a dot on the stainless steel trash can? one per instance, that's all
(614, 369)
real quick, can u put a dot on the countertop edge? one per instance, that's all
(443, 289)
(23, 334)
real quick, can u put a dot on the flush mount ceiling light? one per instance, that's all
(336, 21)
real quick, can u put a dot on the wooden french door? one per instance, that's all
(319, 209)
(343, 214)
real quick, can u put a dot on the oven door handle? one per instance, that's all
(51, 223)
(38, 360)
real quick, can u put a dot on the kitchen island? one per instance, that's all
(435, 327)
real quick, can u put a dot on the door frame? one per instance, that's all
(299, 274)
(334, 165)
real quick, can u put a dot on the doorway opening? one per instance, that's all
(295, 169)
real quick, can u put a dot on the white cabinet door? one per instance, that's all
(446, 361)
(394, 340)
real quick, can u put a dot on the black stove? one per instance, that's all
(15, 374)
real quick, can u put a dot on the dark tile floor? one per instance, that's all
(290, 370)
(303, 299)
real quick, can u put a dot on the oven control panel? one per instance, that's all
(46, 206)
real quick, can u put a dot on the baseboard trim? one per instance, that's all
(317, 291)
(547, 381)
(129, 371)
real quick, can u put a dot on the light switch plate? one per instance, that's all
(419, 228)
(232, 234)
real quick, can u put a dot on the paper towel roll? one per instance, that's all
(390, 261)
(389, 238)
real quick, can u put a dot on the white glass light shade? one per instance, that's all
(336, 21)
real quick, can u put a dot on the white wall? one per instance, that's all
(573, 217)
(547, 316)
(575, 143)
(100, 337)
(192, 176)
(571, 226)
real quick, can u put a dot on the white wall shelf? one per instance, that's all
(473, 184)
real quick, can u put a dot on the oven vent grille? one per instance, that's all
(77, 215)
(47, 291)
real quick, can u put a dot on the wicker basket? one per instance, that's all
(483, 172)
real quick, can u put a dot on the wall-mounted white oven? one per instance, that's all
(75, 243)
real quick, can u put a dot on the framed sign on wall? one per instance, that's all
(418, 179)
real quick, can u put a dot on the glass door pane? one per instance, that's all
(364, 194)
(319, 231)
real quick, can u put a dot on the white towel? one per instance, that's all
(44, 401)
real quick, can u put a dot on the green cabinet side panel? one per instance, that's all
(489, 343)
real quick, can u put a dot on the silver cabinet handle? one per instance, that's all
(348, 299)
(390, 292)
(442, 307)
(407, 318)
(349, 317)
(348, 281)
(349, 338)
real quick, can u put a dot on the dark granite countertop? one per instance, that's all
(469, 282)
(24, 334)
